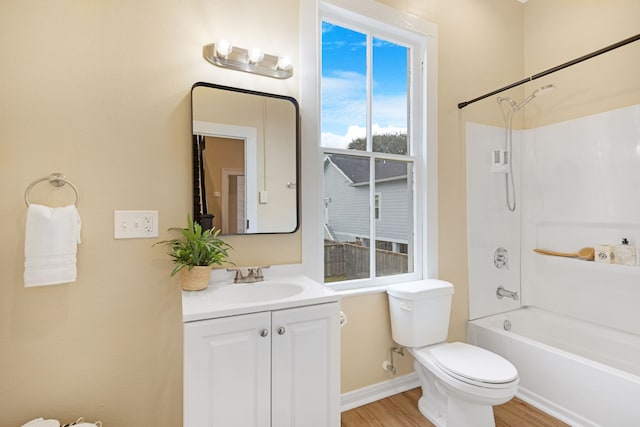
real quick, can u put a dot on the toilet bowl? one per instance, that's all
(460, 382)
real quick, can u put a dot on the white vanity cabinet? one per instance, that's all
(275, 368)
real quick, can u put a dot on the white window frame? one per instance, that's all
(426, 186)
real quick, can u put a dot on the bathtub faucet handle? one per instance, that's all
(501, 292)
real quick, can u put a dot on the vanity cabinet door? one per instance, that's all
(306, 366)
(227, 371)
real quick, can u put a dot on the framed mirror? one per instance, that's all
(246, 147)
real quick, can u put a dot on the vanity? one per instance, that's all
(262, 354)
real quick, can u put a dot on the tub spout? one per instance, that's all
(501, 292)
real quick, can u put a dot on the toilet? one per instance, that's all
(460, 382)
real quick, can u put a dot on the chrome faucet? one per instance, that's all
(501, 292)
(254, 274)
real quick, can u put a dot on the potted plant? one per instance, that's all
(197, 250)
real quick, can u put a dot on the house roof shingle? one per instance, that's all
(357, 168)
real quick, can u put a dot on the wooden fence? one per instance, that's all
(343, 261)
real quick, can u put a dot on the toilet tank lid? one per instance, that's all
(420, 289)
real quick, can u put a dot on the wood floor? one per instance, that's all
(401, 410)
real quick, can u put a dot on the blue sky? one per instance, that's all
(344, 85)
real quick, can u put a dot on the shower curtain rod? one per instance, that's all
(554, 69)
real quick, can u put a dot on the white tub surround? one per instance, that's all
(580, 185)
(576, 183)
(581, 373)
(490, 225)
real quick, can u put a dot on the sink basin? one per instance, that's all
(288, 289)
(256, 292)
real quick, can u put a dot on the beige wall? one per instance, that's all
(560, 31)
(100, 92)
(366, 342)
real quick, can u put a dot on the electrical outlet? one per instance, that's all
(135, 224)
(147, 223)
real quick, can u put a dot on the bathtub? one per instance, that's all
(581, 373)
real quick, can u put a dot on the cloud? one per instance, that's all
(332, 140)
(343, 101)
(341, 84)
(390, 110)
(344, 110)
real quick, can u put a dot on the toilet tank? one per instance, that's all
(420, 312)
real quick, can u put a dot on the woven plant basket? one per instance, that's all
(195, 279)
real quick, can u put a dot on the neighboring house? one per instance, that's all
(346, 202)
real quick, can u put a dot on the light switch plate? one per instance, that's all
(135, 224)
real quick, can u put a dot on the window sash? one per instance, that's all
(422, 36)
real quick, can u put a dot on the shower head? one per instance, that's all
(510, 190)
(540, 91)
(543, 90)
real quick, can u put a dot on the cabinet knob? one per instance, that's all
(264, 332)
(281, 330)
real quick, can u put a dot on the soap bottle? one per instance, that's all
(624, 253)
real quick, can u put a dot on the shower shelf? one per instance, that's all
(582, 264)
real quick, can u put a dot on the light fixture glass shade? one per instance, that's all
(223, 48)
(284, 63)
(255, 55)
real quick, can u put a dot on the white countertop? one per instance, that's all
(201, 305)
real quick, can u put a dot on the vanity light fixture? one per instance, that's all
(225, 55)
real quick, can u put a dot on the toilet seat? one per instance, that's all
(471, 365)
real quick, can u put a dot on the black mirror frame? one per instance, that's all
(200, 213)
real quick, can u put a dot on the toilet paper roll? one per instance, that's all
(343, 319)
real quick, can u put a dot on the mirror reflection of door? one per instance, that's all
(241, 218)
(234, 217)
(231, 149)
(224, 162)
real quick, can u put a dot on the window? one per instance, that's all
(373, 144)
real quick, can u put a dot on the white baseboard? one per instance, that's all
(378, 391)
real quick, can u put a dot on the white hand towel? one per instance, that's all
(51, 241)
(41, 422)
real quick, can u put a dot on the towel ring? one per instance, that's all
(55, 179)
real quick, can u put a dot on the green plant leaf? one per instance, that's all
(196, 247)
